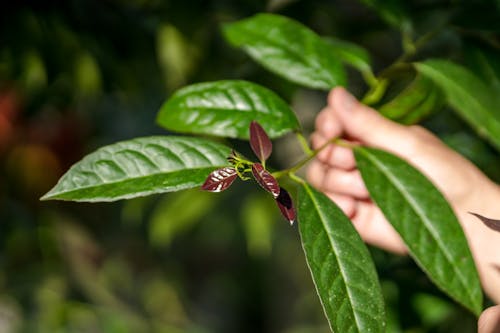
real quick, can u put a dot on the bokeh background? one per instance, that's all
(79, 74)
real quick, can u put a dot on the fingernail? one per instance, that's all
(348, 101)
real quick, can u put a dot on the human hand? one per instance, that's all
(489, 322)
(465, 187)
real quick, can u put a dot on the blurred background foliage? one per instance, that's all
(78, 74)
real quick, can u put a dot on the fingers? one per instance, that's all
(489, 321)
(374, 229)
(345, 116)
(335, 180)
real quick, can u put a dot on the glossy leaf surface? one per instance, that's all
(341, 267)
(265, 179)
(226, 108)
(470, 97)
(425, 221)
(220, 179)
(259, 141)
(285, 204)
(140, 167)
(289, 49)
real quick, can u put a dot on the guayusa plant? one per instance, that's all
(340, 264)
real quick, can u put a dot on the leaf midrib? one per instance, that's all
(123, 180)
(421, 214)
(341, 267)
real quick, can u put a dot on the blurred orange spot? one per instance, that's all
(32, 169)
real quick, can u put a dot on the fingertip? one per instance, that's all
(327, 123)
(489, 321)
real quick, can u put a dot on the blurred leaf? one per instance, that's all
(287, 48)
(258, 221)
(226, 108)
(176, 55)
(393, 12)
(140, 167)
(351, 54)
(176, 213)
(425, 221)
(485, 63)
(87, 75)
(432, 309)
(470, 97)
(34, 76)
(341, 267)
(420, 98)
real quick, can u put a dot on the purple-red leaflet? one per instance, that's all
(220, 179)
(265, 179)
(259, 141)
(285, 205)
(492, 224)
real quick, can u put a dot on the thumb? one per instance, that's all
(489, 321)
(366, 125)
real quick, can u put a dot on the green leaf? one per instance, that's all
(419, 99)
(226, 108)
(425, 221)
(341, 267)
(289, 49)
(177, 213)
(140, 167)
(469, 96)
(350, 53)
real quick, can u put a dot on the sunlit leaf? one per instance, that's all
(265, 179)
(259, 141)
(341, 267)
(289, 49)
(140, 167)
(470, 97)
(285, 204)
(226, 108)
(425, 221)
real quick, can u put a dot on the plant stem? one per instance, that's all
(382, 80)
(303, 143)
(290, 171)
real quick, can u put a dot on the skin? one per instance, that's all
(466, 188)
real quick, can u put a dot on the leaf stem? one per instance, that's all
(303, 143)
(290, 171)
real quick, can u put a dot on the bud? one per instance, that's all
(265, 179)
(220, 179)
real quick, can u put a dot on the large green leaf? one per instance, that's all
(226, 108)
(469, 96)
(289, 49)
(425, 221)
(341, 267)
(140, 167)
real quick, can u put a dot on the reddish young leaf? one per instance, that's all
(220, 179)
(490, 223)
(259, 141)
(285, 205)
(265, 179)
